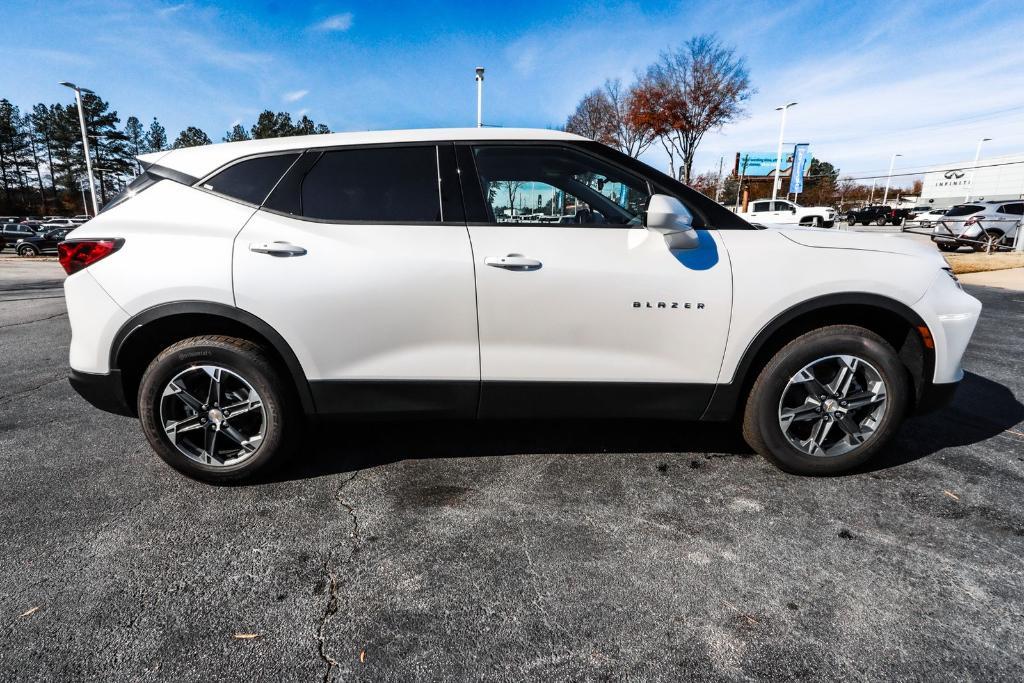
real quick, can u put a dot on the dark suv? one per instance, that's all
(878, 214)
(12, 232)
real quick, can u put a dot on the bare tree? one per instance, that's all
(593, 118)
(604, 115)
(511, 188)
(696, 88)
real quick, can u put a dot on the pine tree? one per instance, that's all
(236, 134)
(136, 137)
(191, 137)
(156, 137)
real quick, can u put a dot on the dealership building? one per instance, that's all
(994, 178)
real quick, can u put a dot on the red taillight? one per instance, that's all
(78, 254)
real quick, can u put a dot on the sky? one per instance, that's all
(922, 79)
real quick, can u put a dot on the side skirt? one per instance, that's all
(494, 400)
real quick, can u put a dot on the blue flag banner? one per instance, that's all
(801, 162)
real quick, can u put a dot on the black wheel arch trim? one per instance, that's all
(727, 397)
(166, 310)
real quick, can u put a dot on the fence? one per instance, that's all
(994, 234)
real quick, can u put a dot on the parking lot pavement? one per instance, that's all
(510, 550)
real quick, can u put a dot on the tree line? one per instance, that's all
(42, 164)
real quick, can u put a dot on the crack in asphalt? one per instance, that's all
(37, 320)
(8, 397)
(332, 589)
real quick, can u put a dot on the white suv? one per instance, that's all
(236, 289)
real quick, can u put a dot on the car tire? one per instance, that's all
(775, 421)
(948, 246)
(881, 221)
(218, 447)
(27, 251)
(991, 239)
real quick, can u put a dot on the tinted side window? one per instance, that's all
(761, 206)
(393, 184)
(252, 179)
(1013, 209)
(964, 210)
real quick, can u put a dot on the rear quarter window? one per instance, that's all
(251, 180)
(964, 210)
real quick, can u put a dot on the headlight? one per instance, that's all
(952, 275)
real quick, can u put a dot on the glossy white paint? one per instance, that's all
(95, 318)
(365, 301)
(774, 270)
(177, 247)
(401, 302)
(574, 318)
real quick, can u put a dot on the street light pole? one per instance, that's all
(888, 178)
(479, 97)
(85, 141)
(977, 156)
(778, 153)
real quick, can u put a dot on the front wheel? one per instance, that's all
(27, 251)
(827, 401)
(215, 408)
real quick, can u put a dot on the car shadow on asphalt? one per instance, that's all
(981, 410)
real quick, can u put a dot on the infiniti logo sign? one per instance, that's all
(957, 174)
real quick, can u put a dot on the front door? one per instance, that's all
(360, 259)
(582, 310)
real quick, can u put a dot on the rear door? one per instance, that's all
(582, 310)
(361, 260)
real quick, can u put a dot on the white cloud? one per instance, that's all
(295, 95)
(172, 9)
(338, 22)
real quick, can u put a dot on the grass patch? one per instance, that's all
(980, 263)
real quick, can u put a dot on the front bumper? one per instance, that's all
(104, 391)
(935, 396)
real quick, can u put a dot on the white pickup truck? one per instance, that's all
(783, 211)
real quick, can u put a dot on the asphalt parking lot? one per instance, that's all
(508, 551)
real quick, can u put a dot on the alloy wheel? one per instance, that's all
(832, 405)
(212, 415)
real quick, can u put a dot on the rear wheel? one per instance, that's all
(948, 246)
(215, 409)
(827, 401)
(881, 220)
(28, 251)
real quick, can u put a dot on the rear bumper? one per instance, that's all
(104, 391)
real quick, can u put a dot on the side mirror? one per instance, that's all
(792, 209)
(668, 217)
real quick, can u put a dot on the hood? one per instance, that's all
(889, 243)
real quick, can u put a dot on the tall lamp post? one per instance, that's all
(977, 156)
(479, 97)
(778, 153)
(85, 141)
(888, 178)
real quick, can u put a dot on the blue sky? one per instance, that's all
(924, 79)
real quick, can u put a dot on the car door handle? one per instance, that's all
(277, 248)
(513, 262)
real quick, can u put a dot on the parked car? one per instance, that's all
(9, 219)
(878, 214)
(787, 212)
(59, 223)
(39, 244)
(12, 232)
(980, 225)
(925, 219)
(366, 275)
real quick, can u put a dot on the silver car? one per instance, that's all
(981, 225)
